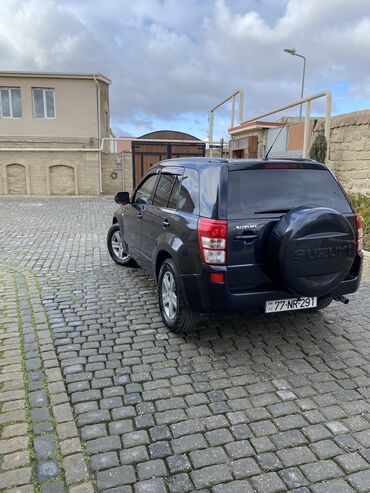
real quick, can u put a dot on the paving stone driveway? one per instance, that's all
(246, 403)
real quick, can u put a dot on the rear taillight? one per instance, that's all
(360, 233)
(212, 235)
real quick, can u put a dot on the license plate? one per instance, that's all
(290, 304)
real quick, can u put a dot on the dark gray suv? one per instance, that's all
(221, 235)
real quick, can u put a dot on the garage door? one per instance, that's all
(145, 154)
(62, 180)
(16, 179)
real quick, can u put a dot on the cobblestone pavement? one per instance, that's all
(39, 444)
(245, 403)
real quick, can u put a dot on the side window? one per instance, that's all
(163, 190)
(189, 192)
(172, 202)
(10, 102)
(144, 192)
(43, 103)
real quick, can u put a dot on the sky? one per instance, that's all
(170, 61)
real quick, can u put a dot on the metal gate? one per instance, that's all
(146, 154)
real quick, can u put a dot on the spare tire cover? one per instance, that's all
(311, 250)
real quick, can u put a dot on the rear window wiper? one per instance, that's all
(273, 211)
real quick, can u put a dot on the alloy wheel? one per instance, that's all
(169, 295)
(118, 246)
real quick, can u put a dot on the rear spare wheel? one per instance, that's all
(311, 250)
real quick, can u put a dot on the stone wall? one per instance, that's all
(64, 172)
(117, 172)
(349, 157)
(49, 173)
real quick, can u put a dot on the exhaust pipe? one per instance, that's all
(342, 299)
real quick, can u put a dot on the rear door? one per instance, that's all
(157, 220)
(257, 199)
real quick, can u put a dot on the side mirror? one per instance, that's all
(122, 198)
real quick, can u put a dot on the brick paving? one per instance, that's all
(97, 395)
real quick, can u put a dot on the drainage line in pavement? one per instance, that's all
(45, 451)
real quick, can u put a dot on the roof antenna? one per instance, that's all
(276, 138)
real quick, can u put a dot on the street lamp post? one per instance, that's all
(293, 52)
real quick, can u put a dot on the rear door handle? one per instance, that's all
(165, 223)
(140, 216)
(246, 237)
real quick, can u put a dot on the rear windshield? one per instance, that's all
(267, 191)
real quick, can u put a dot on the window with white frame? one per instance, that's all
(10, 102)
(44, 103)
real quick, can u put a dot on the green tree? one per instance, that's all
(318, 148)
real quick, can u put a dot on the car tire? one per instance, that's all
(176, 315)
(117, 248)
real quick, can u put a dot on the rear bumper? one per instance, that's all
(204, 296)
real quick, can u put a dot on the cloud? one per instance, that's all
(171, 60)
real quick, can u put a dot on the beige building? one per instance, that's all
(249, 140)
(51, 130)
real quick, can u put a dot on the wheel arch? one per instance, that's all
(162, 255)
